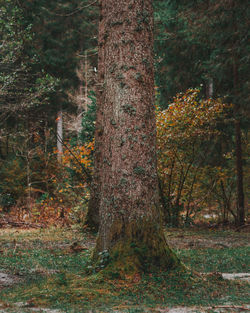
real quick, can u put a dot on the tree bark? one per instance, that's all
(238, 148)
(239, 169)
(130, 226)
(92, 220)
(237, 127)
(210, 88)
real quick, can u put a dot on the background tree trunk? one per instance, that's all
(238, 149)
(92, 220)
(239, 169)
(59, 133)
(130, 227)
(210, 88)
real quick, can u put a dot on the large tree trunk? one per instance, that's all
(130, 227)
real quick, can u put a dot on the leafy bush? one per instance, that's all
(188, 137)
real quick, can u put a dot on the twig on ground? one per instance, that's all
(20, 224)
(229, 307)
(242, 226)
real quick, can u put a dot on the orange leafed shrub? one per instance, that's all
(79, 154)
(187, 132)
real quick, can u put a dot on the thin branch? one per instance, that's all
(242, 226)
(88, 55)
(230, 307)
(74, 12)
(84, 168)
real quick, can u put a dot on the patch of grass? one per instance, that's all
(229, 260)
(52, 234)
(207, 233)
(32, 261)
(74, 293)
(37, 254)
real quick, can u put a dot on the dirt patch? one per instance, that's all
(180, 310)
(234, 276)
(218, 309)
(31, 310)
(23, 307)
(7, 280)
(191, 240)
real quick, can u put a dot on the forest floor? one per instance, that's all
(45, 270)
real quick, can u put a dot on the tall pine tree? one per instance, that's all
(130, 227)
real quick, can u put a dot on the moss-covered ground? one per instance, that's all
(51, 267)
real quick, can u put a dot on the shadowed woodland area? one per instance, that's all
(124, 168)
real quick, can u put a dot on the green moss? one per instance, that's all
(132, 47)
(113, 122)
(123, 141)
(138, 28)
(129, 109)
(125, 67)
(143, 17)
(127, 20)
(115, 23)
(139, 170)
(106, 35)
(146, 63)
(138, 77)
(122, 85)
(105, 161)
(135, 138)
(123, 181)
(120, 76)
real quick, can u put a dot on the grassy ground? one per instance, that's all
(53, 275)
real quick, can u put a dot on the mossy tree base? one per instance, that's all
(137, 248)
